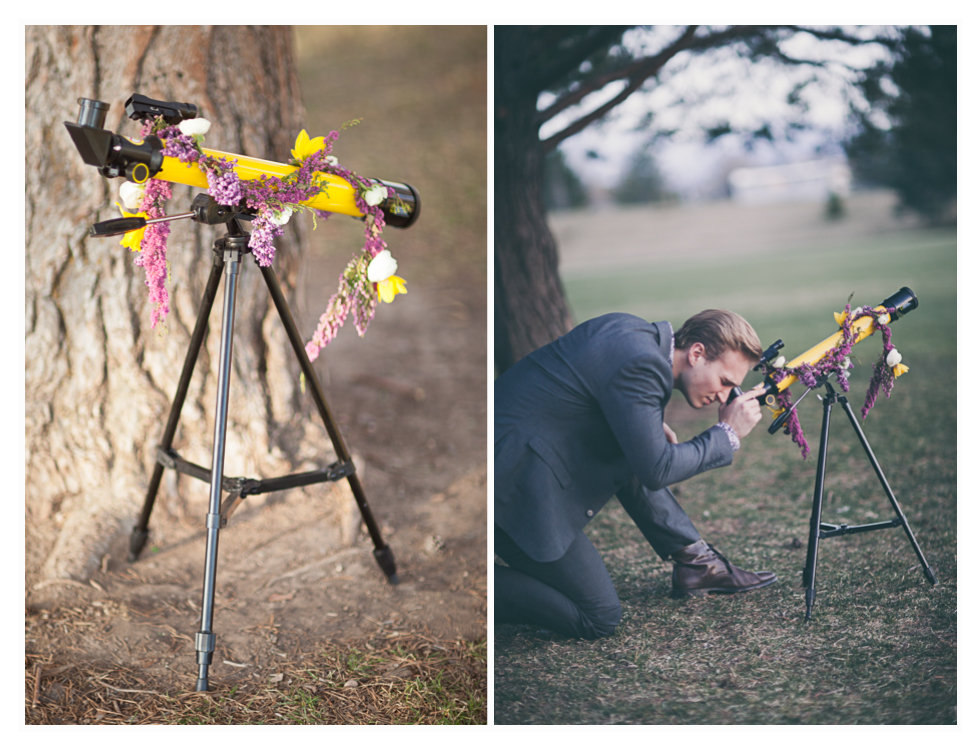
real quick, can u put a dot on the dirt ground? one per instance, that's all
(288, 580)
(295, 568)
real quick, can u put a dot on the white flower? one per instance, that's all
(375, 195)
(884, 319)
(779, 363)
(894, 358)
(856, 312)
(281, 217)
(381, 267)
(131, 193)
(331, 160)
(846, 363)
(196, 126)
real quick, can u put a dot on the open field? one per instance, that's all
(881, 648)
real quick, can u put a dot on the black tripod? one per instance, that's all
(819, 530)
(228, 254)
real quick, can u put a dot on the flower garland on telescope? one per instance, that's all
(837, 362)
(367, 279)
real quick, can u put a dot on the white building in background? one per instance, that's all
(807, 181)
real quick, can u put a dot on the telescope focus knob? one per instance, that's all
(137, 172)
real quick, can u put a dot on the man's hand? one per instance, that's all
(671, 435)
(744, 412)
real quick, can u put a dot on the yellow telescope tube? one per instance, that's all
(862, 328)
(337, 197)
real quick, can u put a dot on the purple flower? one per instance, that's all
(224, 186)
(180, 146)
(153, 255)
(261, 243)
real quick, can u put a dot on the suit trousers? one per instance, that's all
(573, 595)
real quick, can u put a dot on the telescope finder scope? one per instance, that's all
(139, 108)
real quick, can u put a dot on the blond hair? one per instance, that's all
(719, 331)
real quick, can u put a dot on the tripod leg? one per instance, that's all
(812, 550)
(205, 639)
(928, 570)
(141, 531)
(382, 552)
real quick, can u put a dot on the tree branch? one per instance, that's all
(838, 35)
(574, 56)
(638, 73)
(640, 68)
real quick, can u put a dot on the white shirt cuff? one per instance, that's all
(732, 435)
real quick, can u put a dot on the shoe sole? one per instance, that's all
(684, 593)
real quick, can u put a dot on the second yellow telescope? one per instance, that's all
(902, 302)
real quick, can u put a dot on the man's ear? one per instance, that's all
(695, 353)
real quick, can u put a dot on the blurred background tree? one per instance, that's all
(908, 138)
(542, 76)
(642, 182)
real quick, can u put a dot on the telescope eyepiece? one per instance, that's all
(92, 113)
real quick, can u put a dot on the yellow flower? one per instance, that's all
(305, 146)
(839, 318)
(133, 239)
(900, 370)
(389, 287)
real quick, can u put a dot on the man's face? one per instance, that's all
(704, 382)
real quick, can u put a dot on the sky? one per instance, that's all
(723, 86)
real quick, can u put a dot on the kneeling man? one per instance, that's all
(581, 420)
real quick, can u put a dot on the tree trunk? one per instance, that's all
(529, 302)
(99, 380)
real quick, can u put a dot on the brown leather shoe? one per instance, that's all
(700, 569)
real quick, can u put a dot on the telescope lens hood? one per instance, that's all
(903, 301)
(402, 208)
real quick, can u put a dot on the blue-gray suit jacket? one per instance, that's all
(580, 420)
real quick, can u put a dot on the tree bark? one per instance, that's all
(99, 380)
(529, 302)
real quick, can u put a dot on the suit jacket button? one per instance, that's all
(589, 513)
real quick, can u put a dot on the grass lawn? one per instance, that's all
(881, 648)
(397, 679)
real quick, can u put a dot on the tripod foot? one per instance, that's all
(385, 559)
(810, 598)
(136, 543)
(205, 644)
(929, 574)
